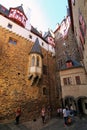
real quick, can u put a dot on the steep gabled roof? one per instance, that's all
(35, 31)
(20, 8)
(36, 48)
(49, 34)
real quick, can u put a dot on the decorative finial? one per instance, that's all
(21, 4)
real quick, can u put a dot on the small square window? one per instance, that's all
(9, 25)
(30, 36)
(12, 41)
(78, 81)
(67, 81)
(42, 43)
(44, 91)
(85, 105)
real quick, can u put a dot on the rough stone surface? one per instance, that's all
(15, 89)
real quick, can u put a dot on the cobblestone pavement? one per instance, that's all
(52, 124)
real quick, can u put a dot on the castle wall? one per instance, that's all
(25, 33)
(80, 6)
(15, 89)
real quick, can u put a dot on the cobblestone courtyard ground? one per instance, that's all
(52, 124)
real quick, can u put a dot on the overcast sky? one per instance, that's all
(42, 14)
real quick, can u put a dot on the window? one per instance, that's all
(30, 36)
(85, 2)
(85, 105)
(9, 25)
(37, 61)
(42, 43)
(78, 81)
(33, 61)
(69, 64)
(45, 69)
(67, 81)
(60, 63)
(73, 1)
(12, 41)
(44, 91)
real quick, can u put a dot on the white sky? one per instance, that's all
(37, 17)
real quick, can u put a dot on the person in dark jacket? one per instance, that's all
(18, 114)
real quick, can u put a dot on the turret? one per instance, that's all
(18, 16)
(35, 63)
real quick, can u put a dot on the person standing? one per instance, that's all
(71, 110)
(43, 111)
(65, 116)
(61, 112)
(49, 111)
(58, 112)
(18, 114)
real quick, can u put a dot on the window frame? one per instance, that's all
(12, 41)
(38, 61)
(9, 25)
(78, 80)
(67, 81)
(44, 91)
(33, 61)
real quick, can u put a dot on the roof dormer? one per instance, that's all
(69, 64)
(18, 16)
(49, 37)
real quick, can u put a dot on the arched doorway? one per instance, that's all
(82, 105)
(70, 100)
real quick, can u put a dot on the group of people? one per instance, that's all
(46, 113)
(59, 112)
(67, 113)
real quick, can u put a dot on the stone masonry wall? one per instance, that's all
(15, 89)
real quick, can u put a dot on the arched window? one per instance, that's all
(33, 61)
(37, 61)
(44, 91)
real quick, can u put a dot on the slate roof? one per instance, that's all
(36, 48)
(20, 8)
(4, 10)
(48, 34)
(35, 31)
(75, 64)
